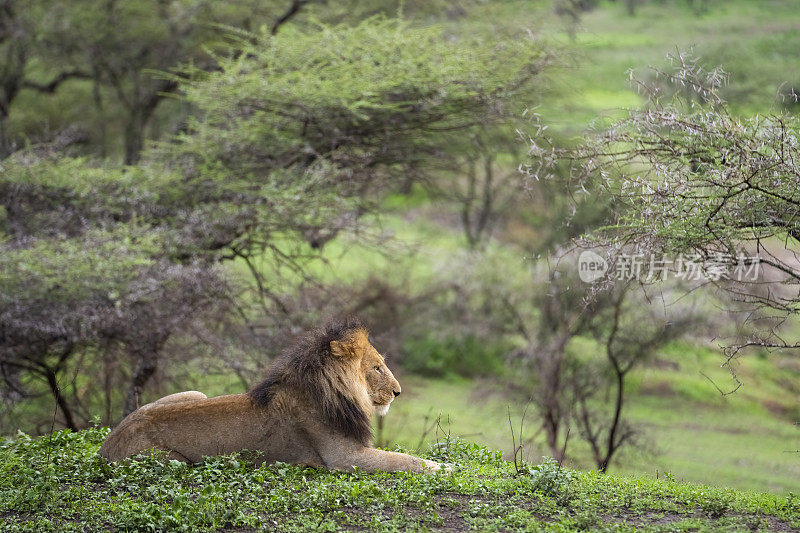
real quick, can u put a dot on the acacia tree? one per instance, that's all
(124, 44)
(296, 136)
(121, 47)
(481, 181)
(21, 40)
(587, 391)
(62, 297)
(629, 331)
(328, 120)
(578, 342)
(86, 271)
(563, 315)
(572, 10)
(690, 177)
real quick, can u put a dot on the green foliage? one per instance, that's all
(119, 46)
(380, 93)
(728, 197)
(59, 482)
(457, 451)
(549, 476)
(293, 138)
(467, 356)
(690, 177)
(715, 505)
(96, 259)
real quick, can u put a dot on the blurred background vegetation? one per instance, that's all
(187, 184)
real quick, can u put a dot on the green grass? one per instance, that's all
(687, 429)
(59, 483)
(755, 41)
(430, 409)
(722, 446)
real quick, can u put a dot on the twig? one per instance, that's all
(517, 449)
(723, 393)
(564, 449)
(425, 431)
(521, 426)
(52, 428)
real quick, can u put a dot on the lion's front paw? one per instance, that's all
(431, 466)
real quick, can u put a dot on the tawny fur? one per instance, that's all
(313, 408)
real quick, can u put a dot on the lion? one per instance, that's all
(313, 408)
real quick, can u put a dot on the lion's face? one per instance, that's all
(381, 386)
(381, 383)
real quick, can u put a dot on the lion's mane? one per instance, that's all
(308, 368)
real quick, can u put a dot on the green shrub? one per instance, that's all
(467, 356)
(455, 450)
(550, 477)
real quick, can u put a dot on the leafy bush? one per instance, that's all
(455, 450)
(467, 356)
(549, 477)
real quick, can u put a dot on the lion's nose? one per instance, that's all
(396, 393)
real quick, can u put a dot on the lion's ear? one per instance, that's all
(341, 349)
(353, 346)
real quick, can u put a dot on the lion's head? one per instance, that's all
(338, 369)
(382, 387)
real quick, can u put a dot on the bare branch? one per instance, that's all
(291, 12)
(51, 86)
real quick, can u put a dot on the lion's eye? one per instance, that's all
(378, 369)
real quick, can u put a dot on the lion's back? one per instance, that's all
(216, 426)
(191, 427)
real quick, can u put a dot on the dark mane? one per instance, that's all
(302, 367)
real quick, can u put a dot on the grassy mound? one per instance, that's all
(58, 483)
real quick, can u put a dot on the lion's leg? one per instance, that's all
(371, 459)
(346, 456)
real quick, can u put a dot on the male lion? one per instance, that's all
(313, 408)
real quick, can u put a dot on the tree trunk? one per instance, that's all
(134, 136)
(613, 444)
(551, 428)
(97, 98)
(60, 400)
(550, 362)
(146, 365)
(5, 149)
(139, 116)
